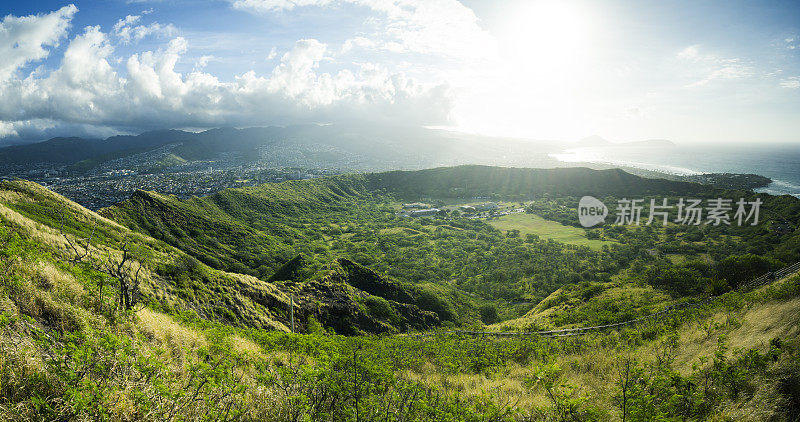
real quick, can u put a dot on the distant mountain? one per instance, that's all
(340, 146)
(73, 150)
(592, 141)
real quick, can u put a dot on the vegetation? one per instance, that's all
(204, 333)
(526, 224)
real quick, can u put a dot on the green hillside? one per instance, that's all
(163, 309)
(465, 181)
(257, 230)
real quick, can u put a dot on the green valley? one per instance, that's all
(159, 308)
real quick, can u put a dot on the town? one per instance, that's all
(481, 210)
(98, 190)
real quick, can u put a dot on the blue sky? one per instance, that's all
(690, 71)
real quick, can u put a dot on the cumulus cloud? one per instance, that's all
(202, 62)
(89, 92)
(127, 30)
(25, 39)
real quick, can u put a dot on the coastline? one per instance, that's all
(720, 174)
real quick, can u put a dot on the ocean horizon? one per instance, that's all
(781, 163)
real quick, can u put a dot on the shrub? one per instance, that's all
(488, 314)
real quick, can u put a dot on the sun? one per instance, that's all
(546, 33)
(539, 85)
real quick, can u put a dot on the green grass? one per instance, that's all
(170, 160)
(533, 224)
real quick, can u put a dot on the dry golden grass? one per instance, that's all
(245, 346)
(281, 357)
(7, 305)
(49, 308)
(14, 197)
(169, 333)
(85, 214)
(759, 325)
(762, 324)
(63, 283)
(508, 385)
(246, 304)
(42, 233)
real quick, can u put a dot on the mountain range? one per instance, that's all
(348, 147)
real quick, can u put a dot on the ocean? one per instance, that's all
(781, 163)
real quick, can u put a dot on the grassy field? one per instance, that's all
(533, 224)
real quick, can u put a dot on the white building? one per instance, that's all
(425, 212)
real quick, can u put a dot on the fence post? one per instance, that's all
(291, 310)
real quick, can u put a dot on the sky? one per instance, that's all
(689, 71)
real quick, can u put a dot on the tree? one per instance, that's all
(742, 268)
(624, 369)
(123, 269)
(126, 272)
(81, 247)
(489, 314)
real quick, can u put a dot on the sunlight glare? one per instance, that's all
(540, 86)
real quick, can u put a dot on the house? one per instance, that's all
(467, 209)
(782, 227)
(417, 205)
(425, 212)
(487, 206)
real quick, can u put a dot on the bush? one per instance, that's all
(430, 301)
(314, 327)
(379, 307)
(742, 268)
(489, 314)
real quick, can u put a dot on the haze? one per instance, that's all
(686, 71)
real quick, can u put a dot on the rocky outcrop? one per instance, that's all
(292, 270)
(363, 278)
(352, 299)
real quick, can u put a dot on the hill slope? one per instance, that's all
(204, 344)
(472, 180)
(257, 231)
(173, 280)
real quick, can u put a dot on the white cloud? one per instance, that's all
(127, 31)
(791, 82)
(264, 6)
(202, 62)
(24, 39)
(126, 22)
(357, 42)
(729, 70)
(87, 93)
(436, 27)
(712, 67)
(691, 53)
